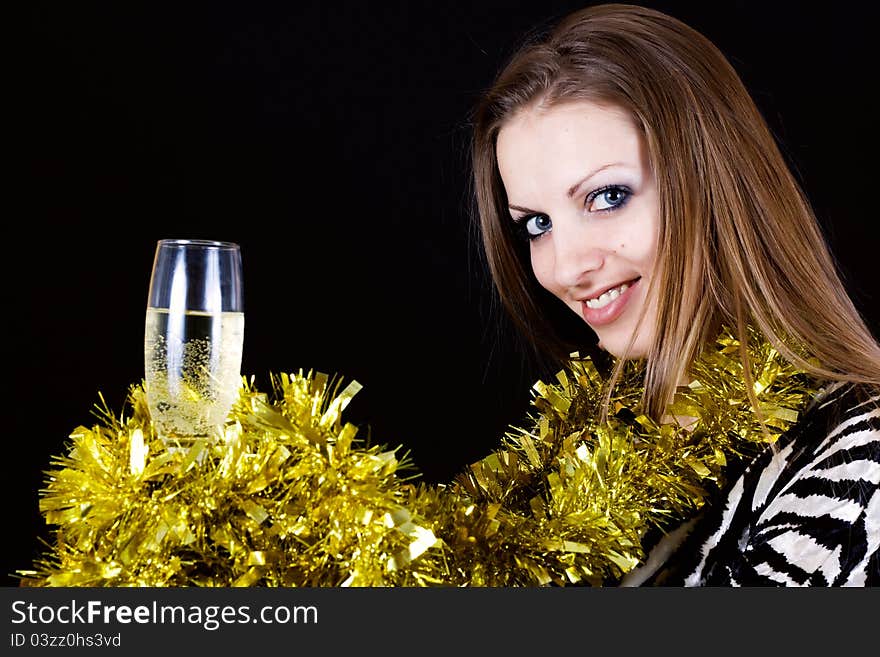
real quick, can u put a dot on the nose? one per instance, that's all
(577, 252)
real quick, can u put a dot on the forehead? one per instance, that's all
(567, 139)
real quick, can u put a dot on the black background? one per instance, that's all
(330, 140)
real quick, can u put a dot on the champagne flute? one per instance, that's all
(193, 338)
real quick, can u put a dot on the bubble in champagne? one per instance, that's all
(193, 370)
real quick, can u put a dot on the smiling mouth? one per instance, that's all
(610, 295)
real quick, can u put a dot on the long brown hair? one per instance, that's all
(739, 241)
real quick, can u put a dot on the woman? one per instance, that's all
(622, 169)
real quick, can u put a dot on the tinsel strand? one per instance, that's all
(288, 495)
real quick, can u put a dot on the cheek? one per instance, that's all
(643, 259)
(648, 255)
(650, 249)
(542, 267)
(639, 251)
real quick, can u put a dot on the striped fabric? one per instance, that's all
(805, 514)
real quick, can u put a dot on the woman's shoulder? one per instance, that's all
(836, 443)
(804, 513)
(848, 396)
(839, 410)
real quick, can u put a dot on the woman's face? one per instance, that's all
(581, 190)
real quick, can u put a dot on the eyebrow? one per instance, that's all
(574, 188)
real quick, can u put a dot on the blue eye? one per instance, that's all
(533, 226)
(605, 199)
(612, 196)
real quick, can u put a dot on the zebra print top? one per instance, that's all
(805, 514)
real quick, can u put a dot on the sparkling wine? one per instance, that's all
(192, 369)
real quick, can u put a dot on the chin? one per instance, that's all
(616, 346)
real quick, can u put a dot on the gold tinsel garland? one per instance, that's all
(288, 496)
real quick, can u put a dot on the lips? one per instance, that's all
(610, 312)
(598, 292)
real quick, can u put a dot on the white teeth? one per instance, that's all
(604, 299)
